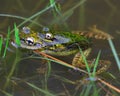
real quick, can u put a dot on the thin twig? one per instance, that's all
(62, 62)
(106, 90)
(109, 85)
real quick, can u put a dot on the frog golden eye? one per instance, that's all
(48, 36)
(30, 41)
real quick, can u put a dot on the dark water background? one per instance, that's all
(104, 13)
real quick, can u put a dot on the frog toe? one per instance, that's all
(104, 65)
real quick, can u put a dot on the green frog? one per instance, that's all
(63, 44)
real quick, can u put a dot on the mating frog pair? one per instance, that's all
(64, 43)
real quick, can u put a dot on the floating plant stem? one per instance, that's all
(20, 17)
(35, 15)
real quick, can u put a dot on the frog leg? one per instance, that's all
(103, 66)
(42, 69)
(79, 62)
(78, 59)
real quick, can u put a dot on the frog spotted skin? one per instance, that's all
(60, 44)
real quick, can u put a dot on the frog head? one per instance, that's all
(30, 39)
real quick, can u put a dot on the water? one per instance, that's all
(103, 13)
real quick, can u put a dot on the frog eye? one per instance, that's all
(48, 36)
(30, 41)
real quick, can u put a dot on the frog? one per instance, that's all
(59, 43)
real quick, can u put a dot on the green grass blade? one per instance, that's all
(86, 63)
(57, 8)
(39, 89)
(52, 2)
(96, 64)
(35, 15)
(1, 42)
(114, 53)
(7, 42)
(20, 17)
(6, 93)
(12, 70)
(66, 80)
(68, 13)
(49, 69)
(87, 91)
(17, 38)
(96, 90)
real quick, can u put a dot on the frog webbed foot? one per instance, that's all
(103, 65)
(42, 68)
(78, 59)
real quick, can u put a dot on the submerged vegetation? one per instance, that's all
(19, 72)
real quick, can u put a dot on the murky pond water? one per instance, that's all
(73, 15)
